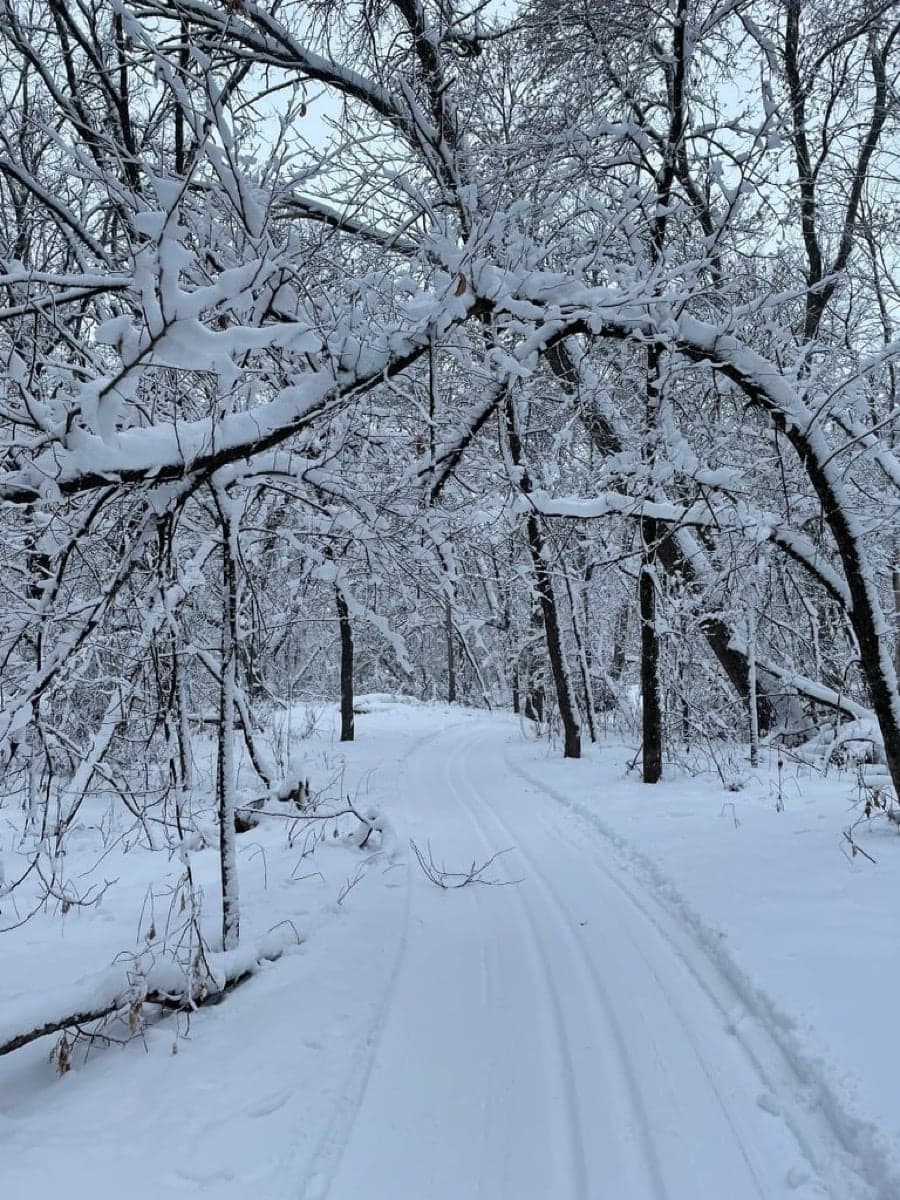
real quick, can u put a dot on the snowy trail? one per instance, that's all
(560, 1038)
(582, 1034)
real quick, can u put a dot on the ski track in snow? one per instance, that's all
(840, 1147)
(565, 1037)
(323, 1163)
(573, 1135)
(561, 922)
(575, 1033)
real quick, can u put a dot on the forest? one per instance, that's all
(533, 357)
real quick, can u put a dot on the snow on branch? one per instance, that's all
(126, 987)
(757, 527)
(310, 209)
(263, 36)
(175, 450)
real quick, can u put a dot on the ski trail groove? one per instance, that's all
(567, 1037)
(385, 1142)
(574, 1134)
(597, 863)
(586, 966)
(325, 1160)
(810, 1111)
(635, 1089)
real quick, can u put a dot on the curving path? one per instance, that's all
(563, 1037)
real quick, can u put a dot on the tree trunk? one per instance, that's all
(866, 616)
(582, 653)
(111, 992)
(751, 677)
(225, 759)
(651, 706)
(346, 629)
(651, 699)
(451, 656)
(544, 587)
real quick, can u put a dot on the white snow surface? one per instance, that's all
(678, 993)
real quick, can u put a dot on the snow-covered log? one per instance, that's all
(126, 986)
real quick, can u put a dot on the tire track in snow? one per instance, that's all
(811, 1112)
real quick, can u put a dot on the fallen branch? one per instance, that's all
(443, 878)
(126, 988)
(371, 821)
(295, 792)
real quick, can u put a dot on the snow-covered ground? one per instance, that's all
(679, 993)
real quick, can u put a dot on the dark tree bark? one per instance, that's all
(451, 654)
(225, 764)
(582, 650)
(865, 616)
(543, 586)
(651, 706)
(347, 729)
(651, 703)
(555, 651)
(117, 997)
